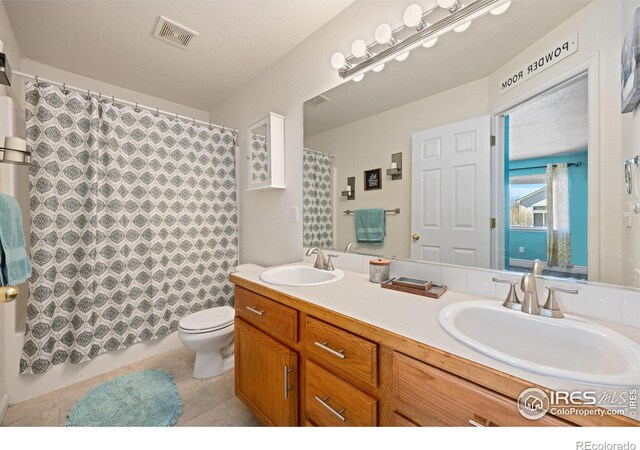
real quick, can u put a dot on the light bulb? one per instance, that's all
(378, 68)
(500, 9)
(430, 43)
(384, 33)
(402, 56)
(359, 48)
(463, 27)
(358, 78)
(338, 61)
(413, 16)
(447, 4)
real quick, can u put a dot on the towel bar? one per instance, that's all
(8, 294)
(388, 211)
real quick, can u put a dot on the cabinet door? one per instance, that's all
(266, 375)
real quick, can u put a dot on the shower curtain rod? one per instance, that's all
(319, 152)
(575, 164)
(119, 100)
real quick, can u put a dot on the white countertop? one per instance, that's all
(414, 317)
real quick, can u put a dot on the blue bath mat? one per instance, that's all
(141, 399)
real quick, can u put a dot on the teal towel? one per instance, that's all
(370, 225)
(15, 266)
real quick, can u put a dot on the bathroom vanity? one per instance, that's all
(352, 354)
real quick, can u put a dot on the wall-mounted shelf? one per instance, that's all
(350, 194)
(395, 172)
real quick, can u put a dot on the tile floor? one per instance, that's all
(207, 403)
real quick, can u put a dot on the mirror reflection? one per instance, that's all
(258, 143)
(510, 151)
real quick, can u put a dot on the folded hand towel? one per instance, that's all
(14, 261)
(370, 225)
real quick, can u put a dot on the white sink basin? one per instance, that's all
(300, 276)
(570, 348)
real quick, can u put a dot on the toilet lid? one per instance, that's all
(208, 319)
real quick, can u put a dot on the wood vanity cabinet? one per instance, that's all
(298, 363)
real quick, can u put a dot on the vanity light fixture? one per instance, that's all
(396, 44)
(384, 35)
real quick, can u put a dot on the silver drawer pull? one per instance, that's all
(287, 388)
(475, 423)
(255, 310)
(338, 414)
(325, 347)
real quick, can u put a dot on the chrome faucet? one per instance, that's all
(530, 303)
(350, 246)
(322, 262)
(530, 291)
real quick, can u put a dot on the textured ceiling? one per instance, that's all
(456, 59)
(112, 41)
(553, 123)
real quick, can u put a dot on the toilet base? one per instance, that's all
(211, 364)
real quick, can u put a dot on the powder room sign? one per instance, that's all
(552, 56)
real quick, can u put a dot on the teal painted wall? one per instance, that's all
(535, 242)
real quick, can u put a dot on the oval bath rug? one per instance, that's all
(148, 398)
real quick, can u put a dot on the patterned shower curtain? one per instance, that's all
(558, 227)
(316, 195)
(134, 225)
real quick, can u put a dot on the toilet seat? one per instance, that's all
(207, 320)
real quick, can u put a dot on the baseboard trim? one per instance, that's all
(4, 404)
(526, 263)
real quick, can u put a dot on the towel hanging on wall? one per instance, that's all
(15, 266)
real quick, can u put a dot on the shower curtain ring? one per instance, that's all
(210, 127)
(176, 116)
(37, 82)
(193, 121)
(157, 112)
(113, 99)
(64, 89)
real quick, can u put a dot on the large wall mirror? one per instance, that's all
(492, 153)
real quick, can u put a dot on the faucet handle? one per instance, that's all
(500, 280)
(329, 263)
(512, 301)
(566, 291)
(551, 307)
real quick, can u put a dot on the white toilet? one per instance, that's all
(210, 334)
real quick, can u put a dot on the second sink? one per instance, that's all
(569, 348)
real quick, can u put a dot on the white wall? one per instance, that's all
(368, 143)
(12, 316)
(12, 50)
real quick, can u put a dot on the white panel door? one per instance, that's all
(451, 193)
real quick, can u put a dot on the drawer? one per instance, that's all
(348, 355)
(331, 401)
(272, 317)
(400, 421)
(431, 397)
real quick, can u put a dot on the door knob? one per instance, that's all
(415, 236)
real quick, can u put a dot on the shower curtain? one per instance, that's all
(316, 196)
(134, 225)
(558, 227)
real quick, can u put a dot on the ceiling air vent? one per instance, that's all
(176, 34)
(317, 100)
